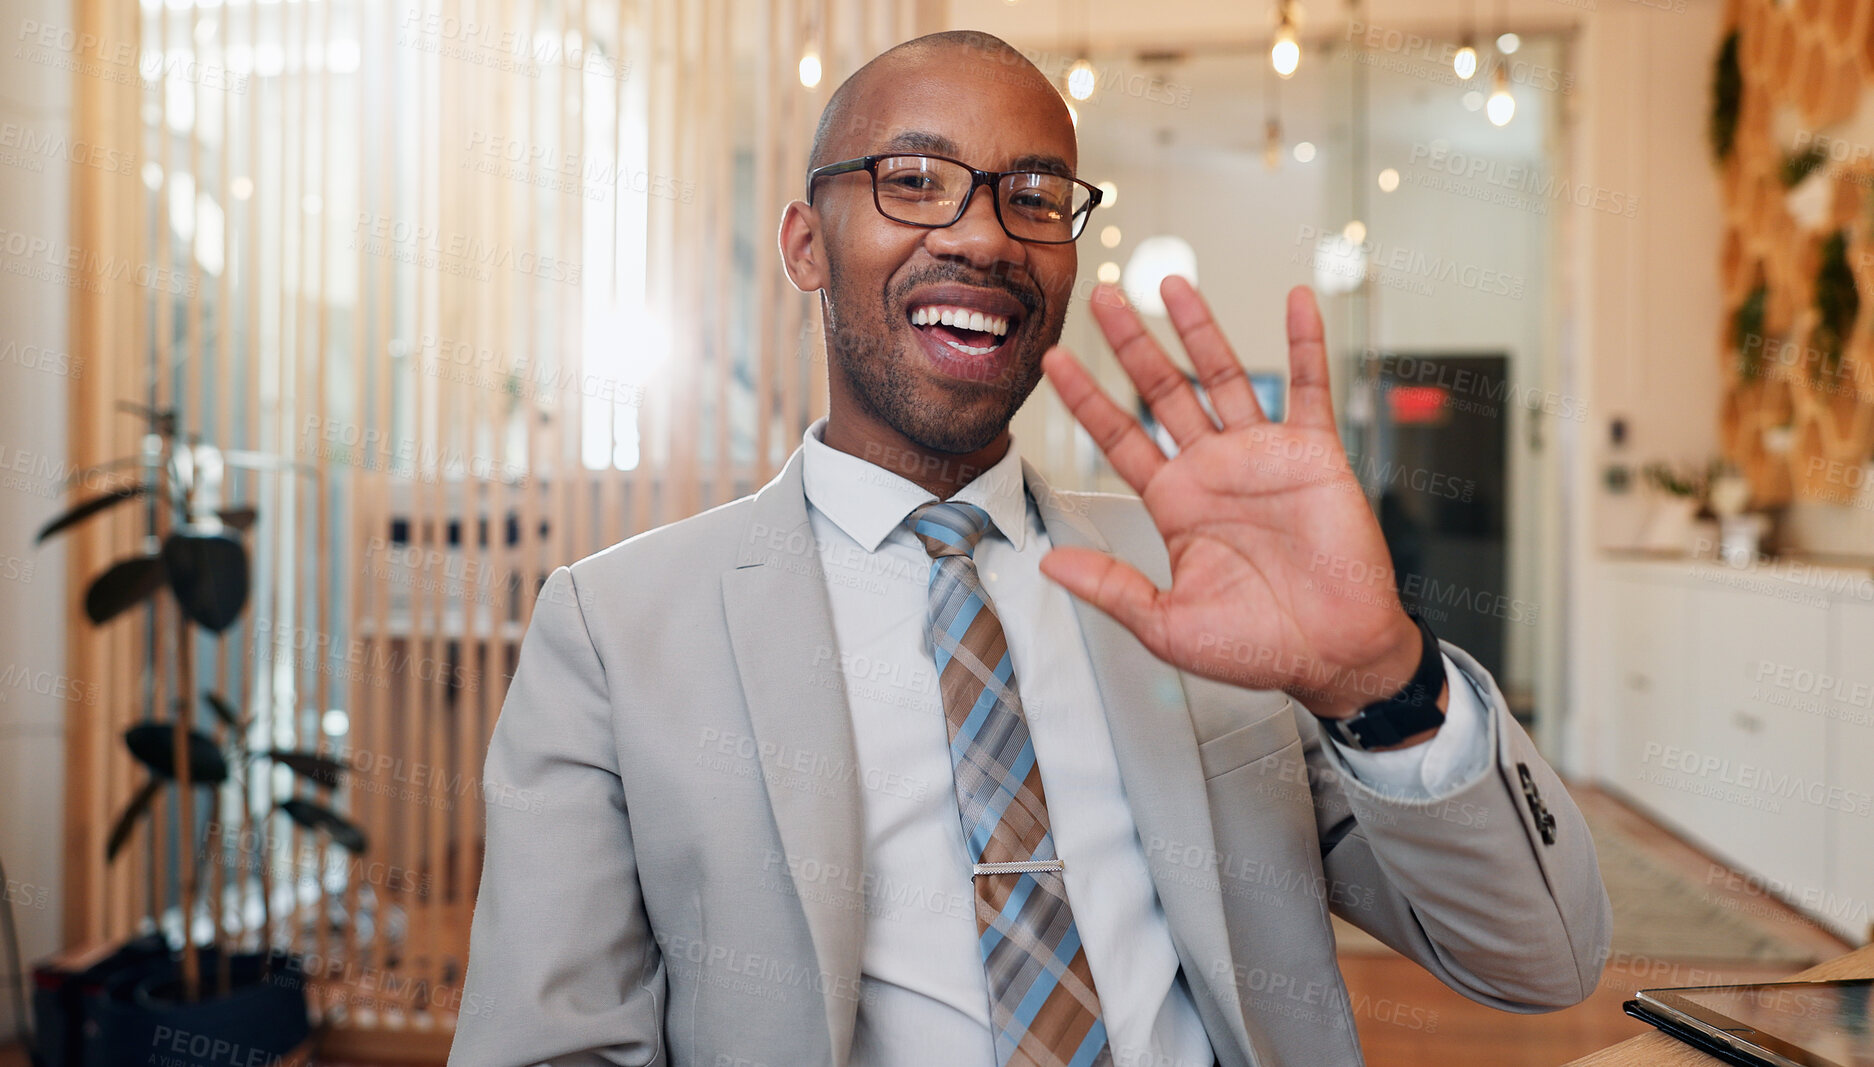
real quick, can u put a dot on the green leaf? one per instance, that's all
(208, 574)
(223, 710)
(1837, 303)
(126, 584)
(1799, 165)
(241, 519)
(163, 419)
(1727, 98)
(127, 819)
(317, 817)
(81, 512)
(1747, 338)
(154, 745)
(321, 769)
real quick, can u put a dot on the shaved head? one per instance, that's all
(845, 117)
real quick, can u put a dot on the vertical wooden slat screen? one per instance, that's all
(463, 288)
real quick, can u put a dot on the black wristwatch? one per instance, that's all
(1412, 710)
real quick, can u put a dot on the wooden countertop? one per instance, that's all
(1655, 1049)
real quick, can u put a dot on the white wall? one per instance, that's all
(1254, 231)
(1649, 311)
(35, 122)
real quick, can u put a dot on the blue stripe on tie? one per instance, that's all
(952, 537)
(968, 734)
(1011, 910)
(985, 702)
(1046, 980)
(960, 625)
(1091, 1045)
(999, 803)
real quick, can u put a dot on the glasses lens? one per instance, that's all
(920, 190)
(1037, 206)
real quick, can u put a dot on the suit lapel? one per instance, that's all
(1152, 736)
(781, 621)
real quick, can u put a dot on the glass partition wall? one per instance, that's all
(1431, 235)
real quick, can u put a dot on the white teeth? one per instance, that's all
(962, 318)
(970, 349)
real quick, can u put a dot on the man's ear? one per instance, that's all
(802, 253)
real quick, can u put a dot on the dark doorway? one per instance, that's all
(1433, 458)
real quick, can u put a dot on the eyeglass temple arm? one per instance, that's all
(831, 169)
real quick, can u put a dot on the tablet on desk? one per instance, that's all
(1774, 1024)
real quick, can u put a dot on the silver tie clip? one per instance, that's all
(1019, 867)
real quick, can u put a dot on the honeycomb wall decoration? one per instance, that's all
(1797, 422)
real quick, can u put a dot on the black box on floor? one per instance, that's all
(61, 985)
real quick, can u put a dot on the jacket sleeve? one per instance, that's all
(562, 966)
(1493, 887)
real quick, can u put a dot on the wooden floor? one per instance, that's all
(1407, 1018)
(15, 1056)
(1413, 1020)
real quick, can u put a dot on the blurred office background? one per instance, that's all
(464, 291)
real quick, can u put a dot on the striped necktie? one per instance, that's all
(1042, 1004)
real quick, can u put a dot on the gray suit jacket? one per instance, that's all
(674, 869)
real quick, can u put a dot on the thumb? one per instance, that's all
(1115, 587)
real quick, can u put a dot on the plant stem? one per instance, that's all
(185, 803)
(224, 952)
(265, 842)
(155, 471)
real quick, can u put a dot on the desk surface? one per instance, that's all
(1654, 1049)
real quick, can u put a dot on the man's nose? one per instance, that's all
(978, 237)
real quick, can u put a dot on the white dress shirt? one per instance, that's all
(926, 997)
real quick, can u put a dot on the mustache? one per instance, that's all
(1028, 296)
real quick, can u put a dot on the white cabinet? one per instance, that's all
(1847, 902)
(1742, 717)
(1650, 686)
(1759, 781)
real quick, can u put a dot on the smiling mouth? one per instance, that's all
(967, 331)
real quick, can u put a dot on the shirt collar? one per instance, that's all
(868, 502)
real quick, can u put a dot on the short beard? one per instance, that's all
(880, 372)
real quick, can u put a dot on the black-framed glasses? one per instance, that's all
(934, 191)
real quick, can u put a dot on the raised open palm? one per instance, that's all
(1280, 576)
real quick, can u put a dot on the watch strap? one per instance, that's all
(1411, 711)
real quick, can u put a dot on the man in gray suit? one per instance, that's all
(785, 759)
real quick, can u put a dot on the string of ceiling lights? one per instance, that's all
(1499, 107)
(1079, 81)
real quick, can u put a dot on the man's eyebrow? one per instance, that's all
(920, 141)
(1047, 163)
(937, 143)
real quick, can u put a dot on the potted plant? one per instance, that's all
(185, 1003)
(1741, 532)
(1671, 521)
